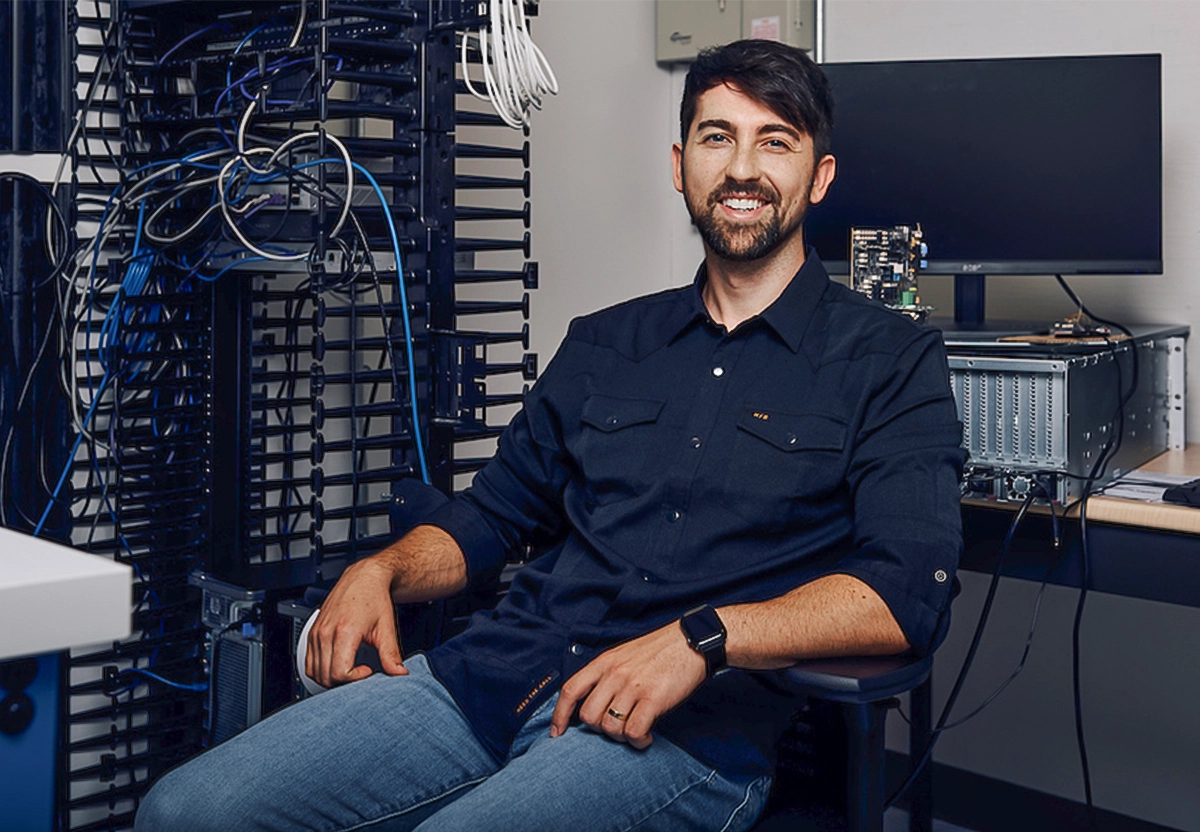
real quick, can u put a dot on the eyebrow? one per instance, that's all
(786, 129)
(766, 129)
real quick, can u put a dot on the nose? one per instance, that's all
(743, 165)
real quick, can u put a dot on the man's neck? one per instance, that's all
(735, 291)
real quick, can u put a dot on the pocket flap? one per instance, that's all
(793, 431)
(609, 413)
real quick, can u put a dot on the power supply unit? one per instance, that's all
(233, 616)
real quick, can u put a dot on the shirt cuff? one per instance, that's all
(923, 625)
(480, 546)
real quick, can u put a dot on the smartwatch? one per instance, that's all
(706, 635)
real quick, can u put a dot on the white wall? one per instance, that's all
(604, 208)
(608, 225)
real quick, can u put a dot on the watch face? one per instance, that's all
(705, 633)
(703, 629)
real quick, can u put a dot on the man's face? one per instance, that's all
(746, 175)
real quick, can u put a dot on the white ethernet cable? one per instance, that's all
(515, 72)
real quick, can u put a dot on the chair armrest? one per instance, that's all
(859, 679)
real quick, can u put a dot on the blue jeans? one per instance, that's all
(396, 753)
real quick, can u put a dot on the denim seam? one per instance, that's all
(415, 806)
(745, 801)
(703, 782)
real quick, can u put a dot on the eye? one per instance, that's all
(714, 138)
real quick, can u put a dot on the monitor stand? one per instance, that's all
(970, 300)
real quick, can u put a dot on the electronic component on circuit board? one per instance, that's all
(884, 263)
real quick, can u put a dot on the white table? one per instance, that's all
(53, 597)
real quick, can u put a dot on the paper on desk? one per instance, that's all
(1146, 487)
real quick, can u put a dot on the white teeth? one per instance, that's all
(742, 204)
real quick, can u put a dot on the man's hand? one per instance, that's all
(640, 680)
(358, 609)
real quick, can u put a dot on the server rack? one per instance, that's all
(245, 420)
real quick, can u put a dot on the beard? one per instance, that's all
(742, 243)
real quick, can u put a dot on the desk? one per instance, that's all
(1157, 516)
(53, 597)
(1138, 549)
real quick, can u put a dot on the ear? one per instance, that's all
(677, 165)
(822, 177)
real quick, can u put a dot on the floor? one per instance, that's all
(896, 820)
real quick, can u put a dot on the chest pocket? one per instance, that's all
(784, 464)
(616, 437)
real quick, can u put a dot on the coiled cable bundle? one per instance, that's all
(516, 74)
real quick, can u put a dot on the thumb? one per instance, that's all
(390, 658)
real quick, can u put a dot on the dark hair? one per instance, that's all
(782, 78)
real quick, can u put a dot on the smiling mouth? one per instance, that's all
(742, 204)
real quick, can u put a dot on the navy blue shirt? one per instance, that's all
(662, 462)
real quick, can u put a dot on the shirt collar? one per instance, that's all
(789, 315)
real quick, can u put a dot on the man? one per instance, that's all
(757, 469)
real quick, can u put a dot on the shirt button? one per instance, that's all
(695, 441)
(611, 420)
(576, 649)
(647, 577)
(791, 439)
(940, 576)
(718, 371)
(673, 515)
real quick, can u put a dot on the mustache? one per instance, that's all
(732, 189)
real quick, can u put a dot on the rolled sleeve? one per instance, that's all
(905, 480)
(481, 548)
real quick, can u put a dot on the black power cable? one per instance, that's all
(920, 764)
(1110, 449)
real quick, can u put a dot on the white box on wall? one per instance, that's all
(684, 27)
(791, 21)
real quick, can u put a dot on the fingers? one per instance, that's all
(333, 650)
(358, 610)
(576, 688)
(615, 719)
(601, 698)
(594, 710)
(345, 650)
(390, 658)
(638, 725)
(625, 689)
(627, 723)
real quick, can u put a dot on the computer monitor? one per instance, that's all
(1011, 165)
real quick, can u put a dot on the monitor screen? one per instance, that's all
(1011, 166)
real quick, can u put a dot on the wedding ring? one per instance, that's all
(617, 715)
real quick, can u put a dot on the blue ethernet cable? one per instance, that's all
(139, 270)
(408, 337)
(404, 314)
(197, 686)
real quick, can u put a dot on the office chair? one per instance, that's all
(841, 733)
